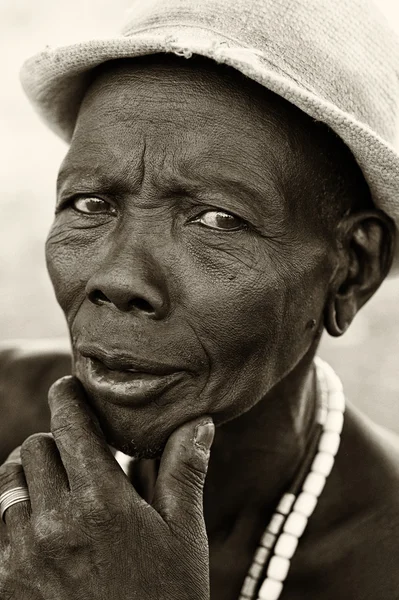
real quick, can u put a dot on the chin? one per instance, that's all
(130, 438)
(134, 448)
(139, 432)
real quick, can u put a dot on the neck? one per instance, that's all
(255, 457)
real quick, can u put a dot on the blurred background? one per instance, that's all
(366, 357)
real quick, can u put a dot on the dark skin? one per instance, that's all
(179, 238)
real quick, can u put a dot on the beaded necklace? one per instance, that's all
(271, 562)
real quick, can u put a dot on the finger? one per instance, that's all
(44, 472)
(84, 452)
(12, 476)
(179, 488)
(14, 457)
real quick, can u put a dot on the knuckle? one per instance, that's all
(48, 530)
(10, 474)
(194, 472)
(53, 536)
(14, 456)
(34, 444)
(187, 486)
(61, 426)
(68, 424)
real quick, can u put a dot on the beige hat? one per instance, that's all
(337, 60)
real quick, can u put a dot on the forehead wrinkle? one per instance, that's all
(261, 169)
(139, 80)
(121, 102)
(94, 157)
(189, 148)
(103, 170)
(123, 88)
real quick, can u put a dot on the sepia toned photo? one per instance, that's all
(199, 317)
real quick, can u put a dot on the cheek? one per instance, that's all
(69, 263)
(303, 283)
(253, 317)
(242, 296)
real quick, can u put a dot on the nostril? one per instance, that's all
(97, 297)
(122, 301)
(141, 304)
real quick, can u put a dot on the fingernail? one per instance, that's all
(204, 434)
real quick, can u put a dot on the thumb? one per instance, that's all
(179, 488)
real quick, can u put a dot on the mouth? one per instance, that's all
(124, 379)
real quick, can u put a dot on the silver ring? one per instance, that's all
(11, 497)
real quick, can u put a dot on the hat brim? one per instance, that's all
(55, 81)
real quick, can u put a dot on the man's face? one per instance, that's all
(186, 272)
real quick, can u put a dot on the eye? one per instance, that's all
(90, 205)
(221, 220)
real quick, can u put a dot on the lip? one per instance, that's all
(123, 379)
(120, 361)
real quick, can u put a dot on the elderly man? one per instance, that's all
(207, 230)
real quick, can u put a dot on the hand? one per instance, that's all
(87, 534)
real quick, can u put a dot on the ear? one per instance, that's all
(365, 254)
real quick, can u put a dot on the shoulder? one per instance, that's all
(352, 546)
(30, 360)
(27, 370)
(366, 467)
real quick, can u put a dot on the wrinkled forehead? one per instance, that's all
(170, 73)
(184, 115)
(198, 93)
(167, 91)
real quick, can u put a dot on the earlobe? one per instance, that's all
(339, 314)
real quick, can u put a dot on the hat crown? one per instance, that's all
(342, 51)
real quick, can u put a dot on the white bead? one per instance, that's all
(334, 421)
(336, 401)
(305, 504)
(322, 415)
(314, 484)
(256, 570)
(276, 523)
(268, 540)
(270, 590)
(323, 463)
(261, 555)
(249, 586)
(278, 568)
(295, 524)
(286, 545)
(334, 382)
(329, 442)
(286, 503)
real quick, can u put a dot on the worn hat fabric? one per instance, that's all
(337, 60)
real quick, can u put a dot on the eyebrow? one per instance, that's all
(218, 186)
(85, 177)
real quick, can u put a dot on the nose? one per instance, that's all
(130, 284)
